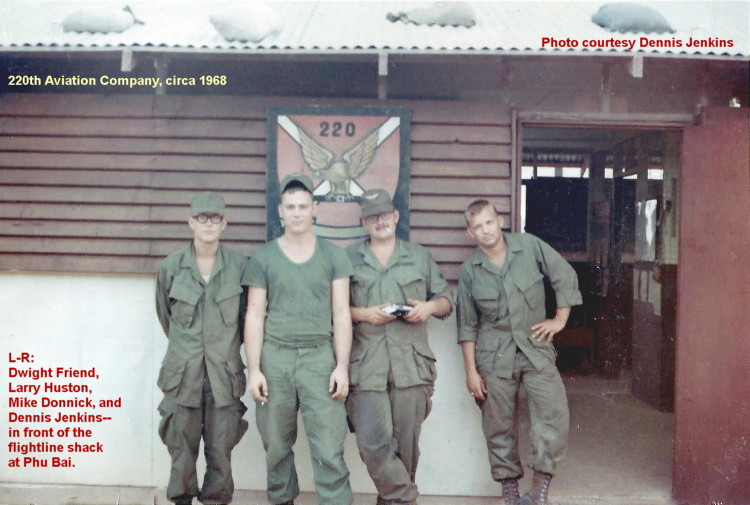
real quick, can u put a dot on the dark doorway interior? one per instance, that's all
(606, 199)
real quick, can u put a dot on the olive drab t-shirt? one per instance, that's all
(298, 294)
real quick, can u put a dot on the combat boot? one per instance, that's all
(510, 491)
(539, 490)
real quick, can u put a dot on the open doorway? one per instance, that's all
(606, 199)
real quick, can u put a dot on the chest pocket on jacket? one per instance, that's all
(532, 287)
(228, 300)
(491, 304)
(362, 283)
(185, 298)
(412, 283)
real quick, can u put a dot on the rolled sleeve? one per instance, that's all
(438, 287)
(562, 276)
(568, 298)
(468, 317)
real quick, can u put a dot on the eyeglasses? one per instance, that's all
(384, 216)
(204, 218)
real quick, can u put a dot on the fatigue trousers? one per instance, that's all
(181, 429)
(387, 425)
(548, 409)
(298, 381)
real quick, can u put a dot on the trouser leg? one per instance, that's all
(180, 430)
(371, 414)
(277, 422)
(410, 407)
(548, 409)
(222, 430)
(325, 425)
(498, 410)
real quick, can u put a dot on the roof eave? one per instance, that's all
(284, 52)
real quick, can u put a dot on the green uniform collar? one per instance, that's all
(188, 261)
(369, 257)
(514, 247)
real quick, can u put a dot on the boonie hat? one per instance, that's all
(296, 177)
(207, 203)
(375, 201)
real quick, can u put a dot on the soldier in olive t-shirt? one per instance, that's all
(298, 299)
(298, 294)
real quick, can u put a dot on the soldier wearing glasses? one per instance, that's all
(392, 368)
(202, 376)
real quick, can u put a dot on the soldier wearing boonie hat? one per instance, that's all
(392, 368)
(297, 340)
(375, 201)
(198, 297)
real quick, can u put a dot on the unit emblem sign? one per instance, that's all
(345, 151)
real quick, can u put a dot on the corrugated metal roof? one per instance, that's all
(347, 26)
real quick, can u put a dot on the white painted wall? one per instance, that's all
(108, 321)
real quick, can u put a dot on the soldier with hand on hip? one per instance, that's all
(506, 341)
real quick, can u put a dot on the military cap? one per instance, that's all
(207, 203)
(296, 177)
(375, 201)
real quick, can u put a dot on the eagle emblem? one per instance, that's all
(346, 152)
(338, 172)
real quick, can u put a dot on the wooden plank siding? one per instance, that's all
(102, 184)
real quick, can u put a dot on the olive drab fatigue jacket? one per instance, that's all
(497, 308)
(398, 346)
(201, 321)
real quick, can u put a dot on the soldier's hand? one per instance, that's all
(420, 312)
(258, 386)
(546, 330)
(475, 385)
(339, 383)
(378, 317)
